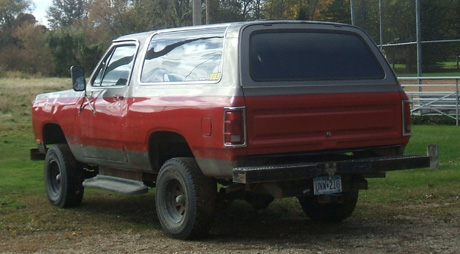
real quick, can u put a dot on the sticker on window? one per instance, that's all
(215, 76)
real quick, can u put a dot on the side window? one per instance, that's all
(184, 56)
(116, 67)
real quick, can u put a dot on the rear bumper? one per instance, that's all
(288, 172)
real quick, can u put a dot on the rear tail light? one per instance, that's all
(234, 126)
(406, 118)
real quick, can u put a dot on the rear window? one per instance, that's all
(184, 56)
(306, 55)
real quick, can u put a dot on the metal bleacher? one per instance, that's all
(433, 95)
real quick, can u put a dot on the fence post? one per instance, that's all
(418, 32)
(432, 152)
(352, 13)
(456, 102)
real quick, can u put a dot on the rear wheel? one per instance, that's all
(337, 209)
(185, 199)
(63, 177)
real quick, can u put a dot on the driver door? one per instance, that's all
(102, 111)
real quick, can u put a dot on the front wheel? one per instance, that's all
(63, 177)
(335, 211)
(185, 199)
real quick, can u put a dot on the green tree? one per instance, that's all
(69, 47)
(399, 27)
(230, 11)
(23, 43)
(338, 11)
(367, 17)
(295, 9)
(33, 53)
(10, 9)
(63, 46)
(154, 14)
(437, 23)
(64, 13)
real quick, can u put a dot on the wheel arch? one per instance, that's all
(164, 145)
(52, 133)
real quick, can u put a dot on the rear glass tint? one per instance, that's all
(307, 55)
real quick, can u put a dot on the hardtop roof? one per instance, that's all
(144, 35)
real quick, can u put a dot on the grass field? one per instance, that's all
(448, 69)
(24, 208)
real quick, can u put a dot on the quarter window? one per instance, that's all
(185, 56)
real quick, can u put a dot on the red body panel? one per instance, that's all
(275, 124)
(60, 110)
(294, 123)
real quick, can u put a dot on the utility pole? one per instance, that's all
(419, 38)
(352, 11)
(418, 33)
(381, 24)
(208, 11)
(196, 11)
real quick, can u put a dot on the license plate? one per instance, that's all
(324, 185)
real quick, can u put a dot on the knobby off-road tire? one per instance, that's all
(329, 212)
(184, 199)
(63, 177)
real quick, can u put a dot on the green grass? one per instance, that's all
(449, 69)
(426, 187)
(23, 203)
(450, 65)
(20, 177)
(24, 207)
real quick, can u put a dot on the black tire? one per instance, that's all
(185, 199)
(330, 212)
(63, 177)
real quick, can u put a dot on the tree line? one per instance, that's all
(79, 31)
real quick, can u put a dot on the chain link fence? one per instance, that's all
(392, 24)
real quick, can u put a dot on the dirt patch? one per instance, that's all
(282, 228)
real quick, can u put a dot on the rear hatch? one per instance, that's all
(312, 87)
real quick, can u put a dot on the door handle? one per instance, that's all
(119, 97)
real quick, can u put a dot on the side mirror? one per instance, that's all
(78, 78)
